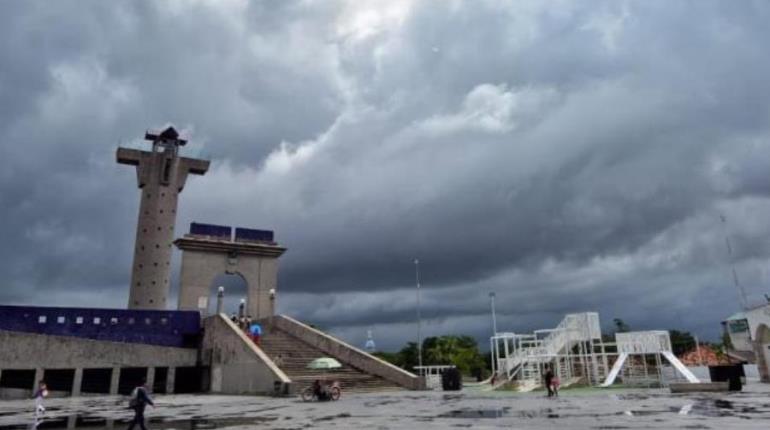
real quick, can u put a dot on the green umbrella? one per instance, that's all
(324, 363)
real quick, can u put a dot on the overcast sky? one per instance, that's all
(570, 156)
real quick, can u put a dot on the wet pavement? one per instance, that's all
(574, 409)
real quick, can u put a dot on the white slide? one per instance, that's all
(616, 369)
(680, 367)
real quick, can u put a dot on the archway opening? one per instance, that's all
(236, 288)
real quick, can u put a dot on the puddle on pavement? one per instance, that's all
(702, 408)
(333, 417)
(721, 408)
(475, 413)
(94, 422)
(705, 408)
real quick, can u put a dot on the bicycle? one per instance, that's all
(329, 392)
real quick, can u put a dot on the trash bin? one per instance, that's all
(731, 373)
(451, 380)
(280, 389)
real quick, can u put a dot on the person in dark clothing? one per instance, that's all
(548, 379)
(320, 390)
(139, 400)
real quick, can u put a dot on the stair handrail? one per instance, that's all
(385, 369)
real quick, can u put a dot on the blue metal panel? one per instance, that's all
(211, 230)
(248, 234)
(165, 328)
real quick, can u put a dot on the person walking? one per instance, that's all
(40, 394)
(555, 382)
(139, 400)
(548, 381)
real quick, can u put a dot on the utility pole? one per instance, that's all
(419, 317)
(494, 320)
(493, 344)
(738, 286)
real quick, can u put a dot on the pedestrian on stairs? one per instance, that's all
(255, 332)
(278, 360)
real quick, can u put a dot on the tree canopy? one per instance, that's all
(460, 351)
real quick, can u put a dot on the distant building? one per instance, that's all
(749, 333)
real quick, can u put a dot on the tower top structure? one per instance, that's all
(161, 175)
(167, 136)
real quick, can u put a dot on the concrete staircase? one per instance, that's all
(296, 354)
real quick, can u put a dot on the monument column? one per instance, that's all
(161, 175)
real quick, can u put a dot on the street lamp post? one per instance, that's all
(220, 299)
(419, 317)
(492, 352)
(272, 302)
(494, 320)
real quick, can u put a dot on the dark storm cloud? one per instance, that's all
(569, 158)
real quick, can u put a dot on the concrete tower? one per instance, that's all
(161, 175)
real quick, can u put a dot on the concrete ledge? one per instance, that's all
(237, 365)
(700, 387)
(346, 353)
(20, 350)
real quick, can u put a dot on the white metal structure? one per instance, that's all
(574, 350)
(641, 344)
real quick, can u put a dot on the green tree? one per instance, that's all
(441, 350)
(460, 351)
(621, 326)
(681, 341)
(408, 356)
(726, 342)
(393, 358)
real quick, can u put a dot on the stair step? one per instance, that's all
(296, 355)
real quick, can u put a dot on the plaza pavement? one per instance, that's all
(471, 408)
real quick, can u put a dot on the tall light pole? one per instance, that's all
(272, 302)
(492, 351)
(494, 320)
(419, 317)
(738, 286)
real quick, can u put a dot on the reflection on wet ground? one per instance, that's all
(392, 410)
(93, 423)
(475, 413)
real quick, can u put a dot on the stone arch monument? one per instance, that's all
(209, 250)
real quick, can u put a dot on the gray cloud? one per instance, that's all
(569, 158)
